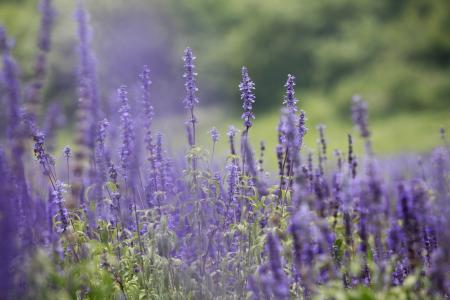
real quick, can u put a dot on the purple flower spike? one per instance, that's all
(48, 14)
(39, 150)
(67, 152)
(127, 130)
(289, 97)
(302, 127)
(59, 201)
(248, 97)
(190, 85)
(214, 134)
(231, 133)
(359, 115)
(190, 79)
(280, 283)
(148, 108)
(88, 92)
(11, 82)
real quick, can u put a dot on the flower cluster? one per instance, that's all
(246, 88)
(189, 223)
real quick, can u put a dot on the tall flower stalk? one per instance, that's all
(33, 96)
(190, 84)
(246, 88)
(128, 138)
(87, 114)
(148, 111)
(289, 98)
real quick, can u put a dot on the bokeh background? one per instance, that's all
(396, 54)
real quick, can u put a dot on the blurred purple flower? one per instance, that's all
(246, 88)
(359, 115)
(127, 131)
(280, 286)
(214, 134)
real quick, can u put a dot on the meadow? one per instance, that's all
(128, 202)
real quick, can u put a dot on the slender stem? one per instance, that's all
(137, 224)
(212, 154)
(244, 153)
(280, 193)
(68, 171)
(193, 124)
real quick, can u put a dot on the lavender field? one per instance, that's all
(120, 213)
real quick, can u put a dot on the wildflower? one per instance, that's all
(190, 80)
(214, 134)
(10, 76)
(88, 94)
(190, 85)
(67, 152)
(231, 133)
(301, 128)
(289, 98)
(322, 141)
(359, 115)
(352, 163)
(147, 107)
(58, 195)
(246, 88)
(127, 131)
(280, 285)
(48, 14)
(232, 180)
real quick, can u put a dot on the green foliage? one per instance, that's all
(394, 54)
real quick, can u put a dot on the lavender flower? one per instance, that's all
(101, 162)
(289, 98)
(190, 79)
(160, 162)
(191, 87)
(352, 163)
(302, 130)
(214, 137)
(102, 128)
(246, 88)
(32, 95)
(88, 94)
(231, 133)
(45, 160)
(48, 14)
(214, 134)
(127, 131)
(10, 77)
(8, 229)
(67, 152)
(232, 179)
(58, 195)
(322, 140)
(253, 287)
(280, 285)
(148, 108)
(359, 115)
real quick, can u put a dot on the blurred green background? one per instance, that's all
(394, 53)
